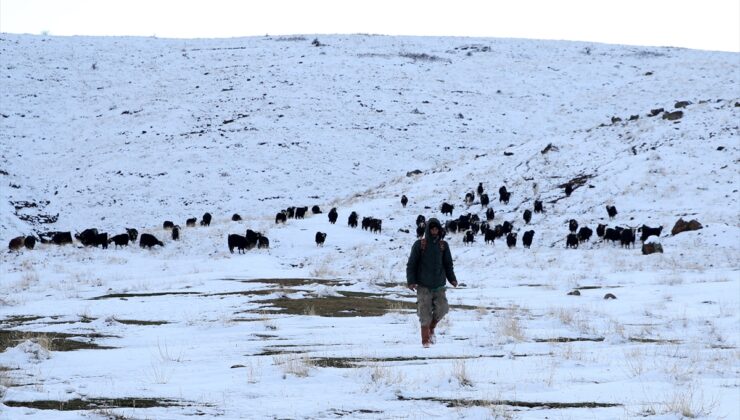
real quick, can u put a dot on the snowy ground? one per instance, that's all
(111, 133)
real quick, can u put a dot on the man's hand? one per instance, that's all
(453, 283)
(412, 287)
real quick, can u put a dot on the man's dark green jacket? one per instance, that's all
(430, 267)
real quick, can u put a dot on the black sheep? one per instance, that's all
(404, 200)
(148, 240)
(120, 240)
(206, 220)
(511, 240)
(333, 215)
(527, 216)
(237, 241)
(527, 238)
(611, 211)
(320, 238)
(571, 241)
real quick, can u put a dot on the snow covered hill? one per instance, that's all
(115, 133)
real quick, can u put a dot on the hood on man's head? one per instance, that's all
(434, 223)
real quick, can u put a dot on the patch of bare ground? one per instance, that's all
(513, 403)
(567, 339)
(56, 341)
(97, 403)
(125, 296)
(293, 282)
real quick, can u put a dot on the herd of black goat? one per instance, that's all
(468, 224)
(471, 224)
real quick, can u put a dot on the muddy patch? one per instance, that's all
(96, 403)
(261, 292)
(348, 305)
(567, 339)
(293, 282)
(125, 296)
(654, 340)
(53, 341)
(512, 403)
(355, 362)
(140, 322)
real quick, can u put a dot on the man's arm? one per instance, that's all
(449, 266)
(411, 265)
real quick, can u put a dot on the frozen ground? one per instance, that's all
(111, 133)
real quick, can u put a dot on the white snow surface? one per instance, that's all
(114, 133)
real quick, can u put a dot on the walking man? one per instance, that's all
(427, 272)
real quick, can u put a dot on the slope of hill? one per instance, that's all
(113, 133)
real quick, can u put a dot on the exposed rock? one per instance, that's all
(651, 248)
(684, 226)
(609, 296)
(574, 293)
(672, 116)
(414, 172)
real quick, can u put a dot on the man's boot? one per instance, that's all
(432, 337)
(425, 336)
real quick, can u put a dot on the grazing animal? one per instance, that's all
(376, 225)
(627, 238)
(263, 242)
(484, 200)
(88, 237)
(188, 223)
(490, 214)
(404, 200)
(333, 215)
(490, 236)
(252, 238)
(469, 198)
(352, 220)
(290, 211)
(236, 217)
(300, 212)
(447, 208)
(206, 220)
(584, 234)
(320, 238)
(507, 228)
(571, 241)
(469, 237)
(281, 217)
(527, 238)
(61, 238)
(102, 240)
(527, 216)
(29, 242)
(168, 224)
(480, 188)
(148, 240)
(538, 207)
(600, 229)
(239, 242)
(504, 198)
(315, 210)
(612, 234)
(451, 226)
(132, 233)
(176, 233)
(511, 240)
(648, 231)
(611, 211)
(16, 243)
(420, 219)
(573, 225)
(420, 229)
(568, 189)
(120, 240)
